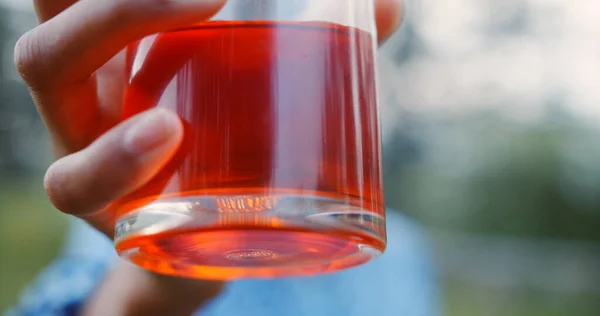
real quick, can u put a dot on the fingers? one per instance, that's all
(47, 9)
(149, 81)
(116, 164)
(389, 15)
(75, 43)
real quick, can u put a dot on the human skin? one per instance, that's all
(71, 63)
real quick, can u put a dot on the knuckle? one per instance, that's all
(26, 59)
(23, 54)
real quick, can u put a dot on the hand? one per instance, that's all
(72, 63)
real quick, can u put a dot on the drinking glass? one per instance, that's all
(279, 171)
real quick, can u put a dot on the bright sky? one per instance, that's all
(475, 60)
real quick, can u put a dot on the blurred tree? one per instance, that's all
(3, 35)
(481, 170)
(22, 138)
(486, 174)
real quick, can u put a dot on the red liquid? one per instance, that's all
(271, 110)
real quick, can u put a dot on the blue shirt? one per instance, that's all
(401, 282)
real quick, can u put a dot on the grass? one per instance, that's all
(31, 233)
(469, 300)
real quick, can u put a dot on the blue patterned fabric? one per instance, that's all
(402, 282)
(61, 288)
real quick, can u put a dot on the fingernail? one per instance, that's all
(155, 129)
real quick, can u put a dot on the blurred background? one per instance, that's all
(491, 116)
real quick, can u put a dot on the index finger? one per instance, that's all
(389, 13)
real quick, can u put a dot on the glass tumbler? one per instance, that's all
(279, 171)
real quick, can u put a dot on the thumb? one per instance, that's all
(389, 15)
(123, 159)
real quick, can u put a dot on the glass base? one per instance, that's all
(251, 236)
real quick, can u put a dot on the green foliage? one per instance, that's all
(488, 175)
(468, 300)
(31, 232)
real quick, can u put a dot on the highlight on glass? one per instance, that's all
(279, 173)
